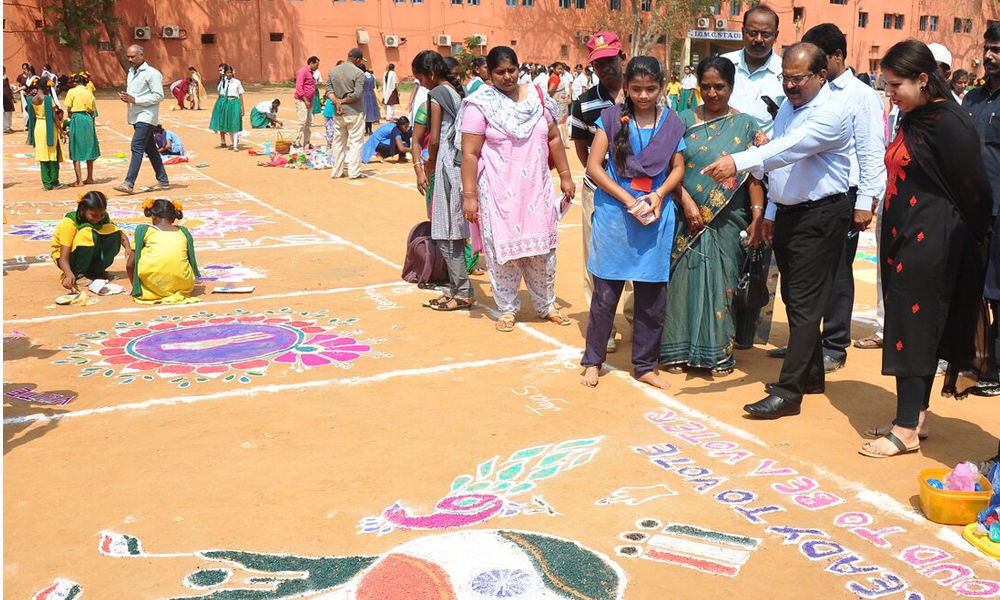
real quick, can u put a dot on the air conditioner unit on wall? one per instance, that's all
(141, 33)
(363, 37)
(720, 23)
(703, 23)
(170, 31)
(392, 41)
(480, 39)
(442, 40)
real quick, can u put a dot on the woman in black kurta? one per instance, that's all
(935, 243)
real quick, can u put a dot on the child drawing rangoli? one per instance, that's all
(489, 492)
(235, 346)
(203, 223)
(462, 565)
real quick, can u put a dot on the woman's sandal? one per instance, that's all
(442, 299)
(871, 342)
(558, 318)
(721, 371)
(453, 304)
(876, 431)
(505, 323)
(674, 369)
(901, 448)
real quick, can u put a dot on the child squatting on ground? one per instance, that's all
(86, 242)
(164, 264)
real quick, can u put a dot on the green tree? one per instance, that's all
(645, 23)
(77, 23)
(470, 50)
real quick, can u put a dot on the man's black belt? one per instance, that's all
(811, 204)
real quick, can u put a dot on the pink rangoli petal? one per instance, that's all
(143, 365)
(312, 329)
(192, 322)
(287, 357)
(175, 369)
(115, 342)
(359, 349)
(344, 341)
(341, 356)
(122, 359)
(313, 360)
(251, 318)
(162, 326)
(250, 364)
(213, 369)
(222, 320)
(111, 351)
(132, 333)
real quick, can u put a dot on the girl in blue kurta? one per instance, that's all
(636, 163)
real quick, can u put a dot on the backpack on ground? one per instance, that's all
(424, 262)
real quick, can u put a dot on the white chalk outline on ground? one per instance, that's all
(284, 387)
(241, 300)
(882, 502)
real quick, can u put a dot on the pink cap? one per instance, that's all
(604, 44)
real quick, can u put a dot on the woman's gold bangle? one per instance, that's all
(756, 207)
(564, 171)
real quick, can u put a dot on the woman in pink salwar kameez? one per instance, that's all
(508, 133)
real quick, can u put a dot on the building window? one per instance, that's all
(717, 7)
(798, 14)
(992, 23)
(615, 4)
(967, 28)
(932, 24)
(417, 1)
(873, 65)
(646, 5)
(923, 23)
(862, 19)
(565, 3)
(564, 50)
(473, 2)
(838, 1)
(104, 47)
(899, 21)
(581, 3)
(527, 2)
(511, 2)
(735, 8)
(886, 21)
(208, 38)
(277, 37)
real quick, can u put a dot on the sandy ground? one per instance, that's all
(326, 437)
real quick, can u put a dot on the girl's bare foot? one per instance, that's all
(590, 376)
(88, 181)
(653, 378)
(77, 184)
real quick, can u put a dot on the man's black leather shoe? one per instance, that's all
(773, 407)
(769, 388)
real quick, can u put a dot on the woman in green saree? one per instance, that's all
(707, 257)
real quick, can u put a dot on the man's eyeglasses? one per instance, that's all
(764, 35)
(795, 80)
(990, 48)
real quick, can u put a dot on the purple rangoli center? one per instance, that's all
(223, 343)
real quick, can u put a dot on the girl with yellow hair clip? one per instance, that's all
(164, 264)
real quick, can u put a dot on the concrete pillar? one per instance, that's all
(686, 53)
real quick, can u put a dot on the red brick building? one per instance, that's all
(266, 40)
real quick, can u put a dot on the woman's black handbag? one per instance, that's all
(751, 288)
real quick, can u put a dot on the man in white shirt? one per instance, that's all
(143, 94)
(758, 68)
(807, 218)
(867, 180)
